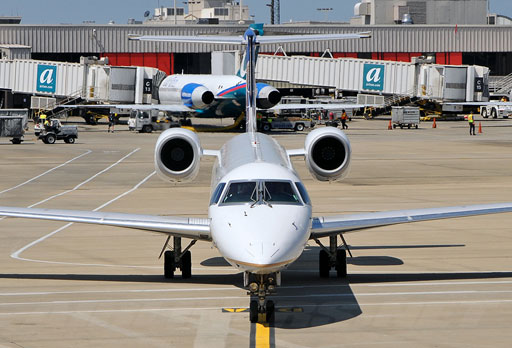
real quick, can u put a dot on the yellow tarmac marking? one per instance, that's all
(262, 333)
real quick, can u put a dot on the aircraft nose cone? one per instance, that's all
(262, 252)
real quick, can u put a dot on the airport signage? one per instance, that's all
(148, 86)
(46, 78)
(479, 84)
(373, 77)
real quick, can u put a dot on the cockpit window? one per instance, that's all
(241, 192)
(279, 192)
(261, 192)
(216, 194)
(303, 192)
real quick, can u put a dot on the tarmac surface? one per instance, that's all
(431, 284)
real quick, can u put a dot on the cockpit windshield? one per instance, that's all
(261, 191)
(241, 192)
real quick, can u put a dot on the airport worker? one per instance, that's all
(344, 119)
(331, 115)
(111, 121)
(471, 122)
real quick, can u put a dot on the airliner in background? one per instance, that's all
(215, 96)
(259, 215)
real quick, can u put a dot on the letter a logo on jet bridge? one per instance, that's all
(46, 78)
(373, 77)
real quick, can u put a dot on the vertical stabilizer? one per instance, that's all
(243, 67)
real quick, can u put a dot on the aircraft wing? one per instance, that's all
(193, 228)
(334, 225)
(275, 39)
(320, 106)
(142, 107)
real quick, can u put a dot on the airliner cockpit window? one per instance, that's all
(280, 192)
(241, 192)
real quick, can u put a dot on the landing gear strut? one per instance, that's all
(176, 258)
(333, 257)
(264, 284)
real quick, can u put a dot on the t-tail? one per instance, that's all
(250, 65)
(242, 72)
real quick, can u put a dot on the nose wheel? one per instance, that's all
(263, 286)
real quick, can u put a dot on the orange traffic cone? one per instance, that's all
(434, 125)
(390, 127)
(480, 127)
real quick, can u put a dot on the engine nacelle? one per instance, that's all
(328, 154)
(267, 96)
(196, 96)
(177, 155)
(182, 89)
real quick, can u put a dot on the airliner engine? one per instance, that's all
(267, 97)
(328, 154)
(177, 155)
(176, 89)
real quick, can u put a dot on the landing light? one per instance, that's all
(253, 287)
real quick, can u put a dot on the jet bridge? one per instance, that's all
(435, 82)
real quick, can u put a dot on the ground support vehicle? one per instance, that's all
(13, 123)
(293, 123)
(495, 111)
(55, 131)
(144, 122)
(405, 116)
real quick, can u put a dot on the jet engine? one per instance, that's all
(177, 155)
(196, 96)
(267, 96)
(183, 90)
(328, 154)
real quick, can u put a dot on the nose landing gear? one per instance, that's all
(264, 284)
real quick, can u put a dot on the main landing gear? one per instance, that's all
(333, 257)
(261, 286)
(176, 258)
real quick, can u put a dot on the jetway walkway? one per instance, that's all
(441, 83)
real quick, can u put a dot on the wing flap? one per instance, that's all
(332, 225)
(193, 228)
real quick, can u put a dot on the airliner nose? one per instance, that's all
(263, 252)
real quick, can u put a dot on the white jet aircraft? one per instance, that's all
(259, 216)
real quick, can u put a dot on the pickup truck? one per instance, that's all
(293, 123)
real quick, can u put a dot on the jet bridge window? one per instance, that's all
(280, 192)
(241, 192)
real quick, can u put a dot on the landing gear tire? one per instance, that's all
(324, 264)
(270, 310)
(169, 265)
(186, 265)
(341, 263)
(253, 311)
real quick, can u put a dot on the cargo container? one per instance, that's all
(405, 116)
(13, 123)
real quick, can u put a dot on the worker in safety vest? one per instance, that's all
(344, 119)
(471, 122)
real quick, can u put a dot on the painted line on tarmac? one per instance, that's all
(48, 171)
(86, 181)
(188, 309)
(216, 298)
(16, 254)
(39, 293)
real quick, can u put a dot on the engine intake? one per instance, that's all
(177, 155)
(328, 154)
